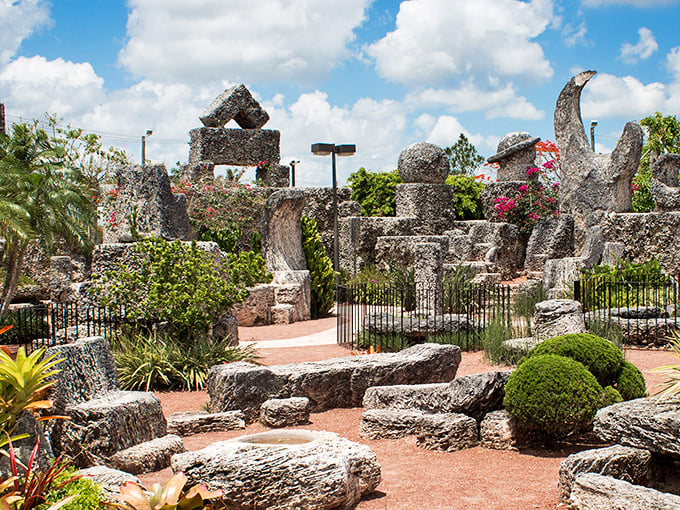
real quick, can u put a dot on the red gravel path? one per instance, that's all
(412, 477)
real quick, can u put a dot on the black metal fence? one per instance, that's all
(384, 317)
(643, 309)
(47, 325)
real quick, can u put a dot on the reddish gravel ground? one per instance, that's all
(412, 477)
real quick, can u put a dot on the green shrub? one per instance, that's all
(375, 192)
(631, 382)
(247, 269)
(607, 329)
(322, 276)
(88, 494)
(553, 394)
(602, 358)
(611, 396)
(494, 335)
(467, 196)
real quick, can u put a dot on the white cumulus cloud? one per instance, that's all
(239, 40)
(437, 40)
(612, 96)
(643, 49)
(18, 20)
(634, 3)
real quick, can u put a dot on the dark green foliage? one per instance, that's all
(176, 283)
(611, 396)
(375, 191)
(147, 362)
(631, 382)
(602, 358)
(88, 494)
(496, 332)
(463, 157)
(553, 394)
(320, 268)
(247, 269)
(467, 196)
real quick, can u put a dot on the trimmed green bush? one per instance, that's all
(611, 396)
(631, 382)
(602, 358)
(322, 276)
(553, 394)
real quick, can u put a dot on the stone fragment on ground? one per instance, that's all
(621, 462)
(328, 384)
(109, 479)
(284, 469)
(649, 423)
(597, 492)
(196, 422)
(499, 431)
(149, 456)
(447, 432)
(390, 423)
(556, 317)
(284, 412)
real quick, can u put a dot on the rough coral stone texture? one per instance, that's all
(235, 103)
(276, 176)
(284, 412)
(390, 423)
(423, 163)
(552, 238)
(556, 317)
(328, 384)
(621, 462)
(649, 423)
(282, 233)
(515, 154)
(149, 456)
(196, 422)
(447, 432)
(108, 479)
(431, 204)
(664, 184)
(238, 147)
(597, 492)
(321, 470)
(499, 431)
(400, 251)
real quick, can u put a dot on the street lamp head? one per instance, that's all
(149, 132)
(322, 149)
(294, 162)
(345, 150)
(593, 123)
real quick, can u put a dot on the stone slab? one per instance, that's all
(238, 147)
(149, 456)
(197, 422)
(235, 103)
(284, 412)
(597, 492)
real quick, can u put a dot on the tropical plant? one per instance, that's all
(553, 394)
(467, 196)
(671, 386)
(87, 495)
(168, 497)
(322, 276)
(247, 269)
(175, 282)
(42, 200)
(463, 157)
(375, 192)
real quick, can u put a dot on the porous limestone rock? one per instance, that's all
(257, 307)
(328, 384)
(592, 185)
(621, 462)
(199, 172)
(664, 185)
(237, 147)
(145, 197)
(597, 492)
(319, 205)
(282, 233)
(108, 479)
(284, 412)
(556, 317)
(149, 456)
(197, 422)
(447, 432)
(649, 423)
(274, 175)
(516, 152)
(552, 238)
(416, 326)
(431, 204)
(474, 395)
(499, 431)
(395, 252)
(283, 470)
(423, 163)
(235, 103)
(390, 423)
(428, 273)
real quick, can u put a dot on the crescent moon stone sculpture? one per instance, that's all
(592, 185)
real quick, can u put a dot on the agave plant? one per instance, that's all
(671, 386)
(168, 497)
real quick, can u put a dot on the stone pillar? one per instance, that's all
(282, 233)
(557, 317)
(429, 274)
(275, 176)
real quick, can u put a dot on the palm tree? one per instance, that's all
(41, 200)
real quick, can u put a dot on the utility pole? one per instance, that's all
(2, 118)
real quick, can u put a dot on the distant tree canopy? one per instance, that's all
(463, 157)
(662, 135)
(375, 191)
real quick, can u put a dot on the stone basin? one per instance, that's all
(284, 469)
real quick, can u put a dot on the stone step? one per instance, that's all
(487, 278)
(147, 457)
(283, 314)
(478, 266)
(479, 251)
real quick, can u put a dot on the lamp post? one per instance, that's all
(324, 149)
(593, 123)
(144, 137)
(292, 173)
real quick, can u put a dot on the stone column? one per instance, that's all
(282, 233)
(429, 274)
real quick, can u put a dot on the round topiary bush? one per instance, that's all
(602, 358)
(631, 382)
(611, 396)
(553, 394)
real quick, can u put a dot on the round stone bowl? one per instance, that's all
(283, 469)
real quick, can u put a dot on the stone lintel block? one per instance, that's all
(150, 456)
(235, 103)
(597, 492)
(196, 422)
(238, 147)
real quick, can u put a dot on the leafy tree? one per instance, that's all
(662, 135)
(320, 270)
(464, 157)
(375, 191)
(467, 196)
(43, 200)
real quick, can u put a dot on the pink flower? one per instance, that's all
(532, 171)
(549, 164)
(523, 188)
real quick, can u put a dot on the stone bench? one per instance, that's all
(328, 384)
(284, 412)
(196, 422)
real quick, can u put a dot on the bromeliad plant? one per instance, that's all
(169, 497)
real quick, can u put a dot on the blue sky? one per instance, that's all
(381, 74)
